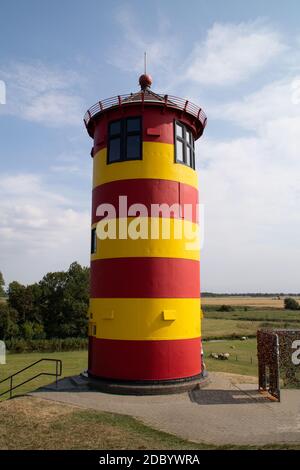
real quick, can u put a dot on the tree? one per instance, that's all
(2, 284)
(64, 298)
(31, 330)
(291, 304)
(25, 300)
(55, 307)
(8, 322)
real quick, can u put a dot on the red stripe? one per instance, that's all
(157, 126)
(144, 360)
(146, 192)
(145, 278)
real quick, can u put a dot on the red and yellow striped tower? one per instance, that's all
(145, 314)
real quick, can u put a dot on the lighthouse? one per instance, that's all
(145, 312)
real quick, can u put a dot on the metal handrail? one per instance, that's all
(58, 373)
(171, 101)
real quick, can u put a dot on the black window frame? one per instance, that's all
(123, 135)
(186, 144)
(93, 241)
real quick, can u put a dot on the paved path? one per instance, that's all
(227, 411)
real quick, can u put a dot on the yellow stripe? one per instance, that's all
(158, 162)
(171, 247)
(143, 319)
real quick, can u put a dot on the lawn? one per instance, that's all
(74, 362)
(242, 359)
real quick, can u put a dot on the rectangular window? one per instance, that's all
(179, 130)
(115, 149)
(125, 140)
(179, 151)
(133, 147)
(93, 241)
(184, 145)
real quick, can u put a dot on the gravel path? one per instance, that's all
(227, 411)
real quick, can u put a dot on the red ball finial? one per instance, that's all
(145, 81)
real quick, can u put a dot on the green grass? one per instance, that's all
(74, 362)
(273, 315)
(246, 323)
(239, 361)
(219, 328)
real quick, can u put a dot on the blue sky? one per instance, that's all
(239, 60)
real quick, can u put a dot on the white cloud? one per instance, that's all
(232, 53)
(42, 94)
(275, 100)
(40, 229)
(250, 187)
(128, 53)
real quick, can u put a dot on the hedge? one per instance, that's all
(46, 345)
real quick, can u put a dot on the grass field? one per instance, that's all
(240, 323)
(74, 362)
(259, 302)
(242, 359)
(219, 328)
(287, 316)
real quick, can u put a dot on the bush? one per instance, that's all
(291, 304)
(47, 345)
(225, 308)
(32, 330)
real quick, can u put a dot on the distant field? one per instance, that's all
(220, 328)
(263, 302)
(282, 316)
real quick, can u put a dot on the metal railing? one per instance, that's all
(58, 373)
(168, 101)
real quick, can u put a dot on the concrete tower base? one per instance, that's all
(145, 387)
